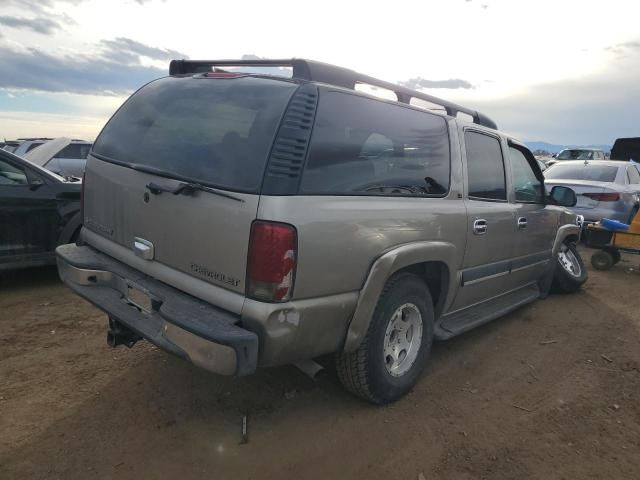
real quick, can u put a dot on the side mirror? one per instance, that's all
(563, 196)
(35, 183)
(554, 155)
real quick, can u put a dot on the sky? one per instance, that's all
(562, 71)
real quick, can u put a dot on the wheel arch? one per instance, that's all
(434, 262)
(565, 232)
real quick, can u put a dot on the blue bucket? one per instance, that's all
(613, 224)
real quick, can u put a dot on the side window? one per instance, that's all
(10, 175)
(362, 146)
(485, 167)
(527, 186)
(634, 176)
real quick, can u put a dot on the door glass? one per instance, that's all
(527, 186)
(10, 175)
(485, 167)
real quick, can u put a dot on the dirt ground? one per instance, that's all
(551, 391)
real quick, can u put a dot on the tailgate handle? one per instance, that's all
(143, 248)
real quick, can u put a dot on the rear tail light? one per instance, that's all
(271, 261)
(603, 197)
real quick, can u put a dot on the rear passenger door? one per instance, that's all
(490, 221)
(535, 223)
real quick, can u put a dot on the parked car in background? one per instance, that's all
(25, 145)
(577, 154)
(626, 149)
(604, 188)
(250, 220)
(10, 145)
(38, 211)
(543, 166)
(62, 156)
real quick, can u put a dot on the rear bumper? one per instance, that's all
(181, 324)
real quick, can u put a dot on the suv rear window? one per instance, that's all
(362, 146)
(213, 131)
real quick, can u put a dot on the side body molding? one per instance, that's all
(388, 264)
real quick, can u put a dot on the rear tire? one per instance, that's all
(570, 272)
(396, 347)
(602, 260)
(615, 253)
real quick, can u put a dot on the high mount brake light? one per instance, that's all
(603, 197)
(271, 262)
(224, 75)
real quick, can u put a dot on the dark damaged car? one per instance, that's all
(38, 211)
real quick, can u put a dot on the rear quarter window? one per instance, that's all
(362, 146)
(213, 131)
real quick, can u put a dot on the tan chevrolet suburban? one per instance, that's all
(245, 214)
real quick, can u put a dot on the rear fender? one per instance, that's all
(388, 264)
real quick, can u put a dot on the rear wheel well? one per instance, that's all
(436, 275)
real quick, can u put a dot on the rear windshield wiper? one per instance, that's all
(188, 188)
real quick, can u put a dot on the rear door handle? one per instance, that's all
(522, 223)
(480, 226)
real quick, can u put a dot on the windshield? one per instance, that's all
(213, 131)
(575, 154)
(596, 173)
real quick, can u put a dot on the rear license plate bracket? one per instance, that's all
(139, 298)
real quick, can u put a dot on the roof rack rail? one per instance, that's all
(325, 73)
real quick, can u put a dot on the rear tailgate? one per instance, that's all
(178, 131)
(202, 234)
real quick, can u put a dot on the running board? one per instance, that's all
(471, 317)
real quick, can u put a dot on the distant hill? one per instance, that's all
(553, 148)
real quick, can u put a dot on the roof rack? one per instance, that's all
(325, 73)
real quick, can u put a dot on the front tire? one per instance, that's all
(395, 350)
(570, 272)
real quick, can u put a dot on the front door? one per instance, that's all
(490, 222)
(535, 224)
(28, 215)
